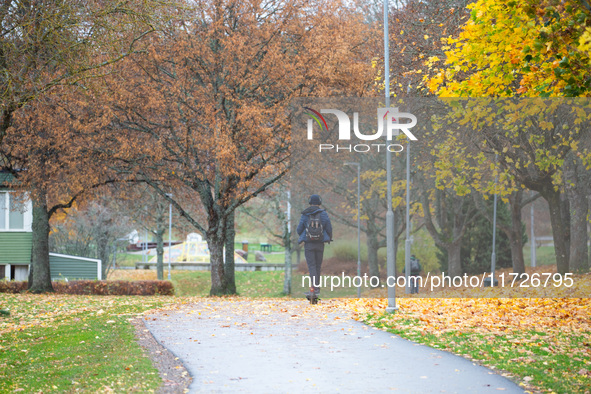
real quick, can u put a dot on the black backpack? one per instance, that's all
(314, 229)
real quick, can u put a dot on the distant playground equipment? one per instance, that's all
(194, 250)
(136, 245)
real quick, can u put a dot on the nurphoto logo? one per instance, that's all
(389, 125)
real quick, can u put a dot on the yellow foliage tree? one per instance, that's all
(527, 48)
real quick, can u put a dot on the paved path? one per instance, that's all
(292, 347)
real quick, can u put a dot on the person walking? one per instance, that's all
(415, 272)
(314, 230)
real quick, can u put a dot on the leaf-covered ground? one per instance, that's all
(545, 344)
(29, 310)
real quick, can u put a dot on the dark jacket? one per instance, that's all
(413, 271)
(324, 219)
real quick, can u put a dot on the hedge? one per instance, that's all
(98, 287)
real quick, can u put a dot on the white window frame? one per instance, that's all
(27, 215)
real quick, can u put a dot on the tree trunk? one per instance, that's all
(517, 255)
(215, 242)
(559, 230)
(159, 234)
(577, 180)
(41, 276)
(399, 228)
(578, 245)
(161, 228)
(453, 259)
(516, 234)
(102, 250)
(372, 254)
(453, 219)
(565, 213)
(229, 272)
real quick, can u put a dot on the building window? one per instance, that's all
(12, 212)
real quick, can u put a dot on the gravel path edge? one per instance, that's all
(175, 377)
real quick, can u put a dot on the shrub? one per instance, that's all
(99, 287)
(12, 287)
(423, 248)
(347, 251)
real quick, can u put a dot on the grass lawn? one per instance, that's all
(544, 256)
(64, 343)
(248, 283)
(128, 259)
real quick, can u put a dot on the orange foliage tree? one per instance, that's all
(47, 149)
(47, 44)
(207, 109)
(50, 54)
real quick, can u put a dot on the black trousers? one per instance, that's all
(314, 252)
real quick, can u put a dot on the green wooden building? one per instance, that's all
(16, 241)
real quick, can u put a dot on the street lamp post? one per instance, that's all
(169, 195)
(493, 257)
(287, 280)
(390, 258)
(532, 241)
(408, 241)
(358, 165)
(145, 247)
